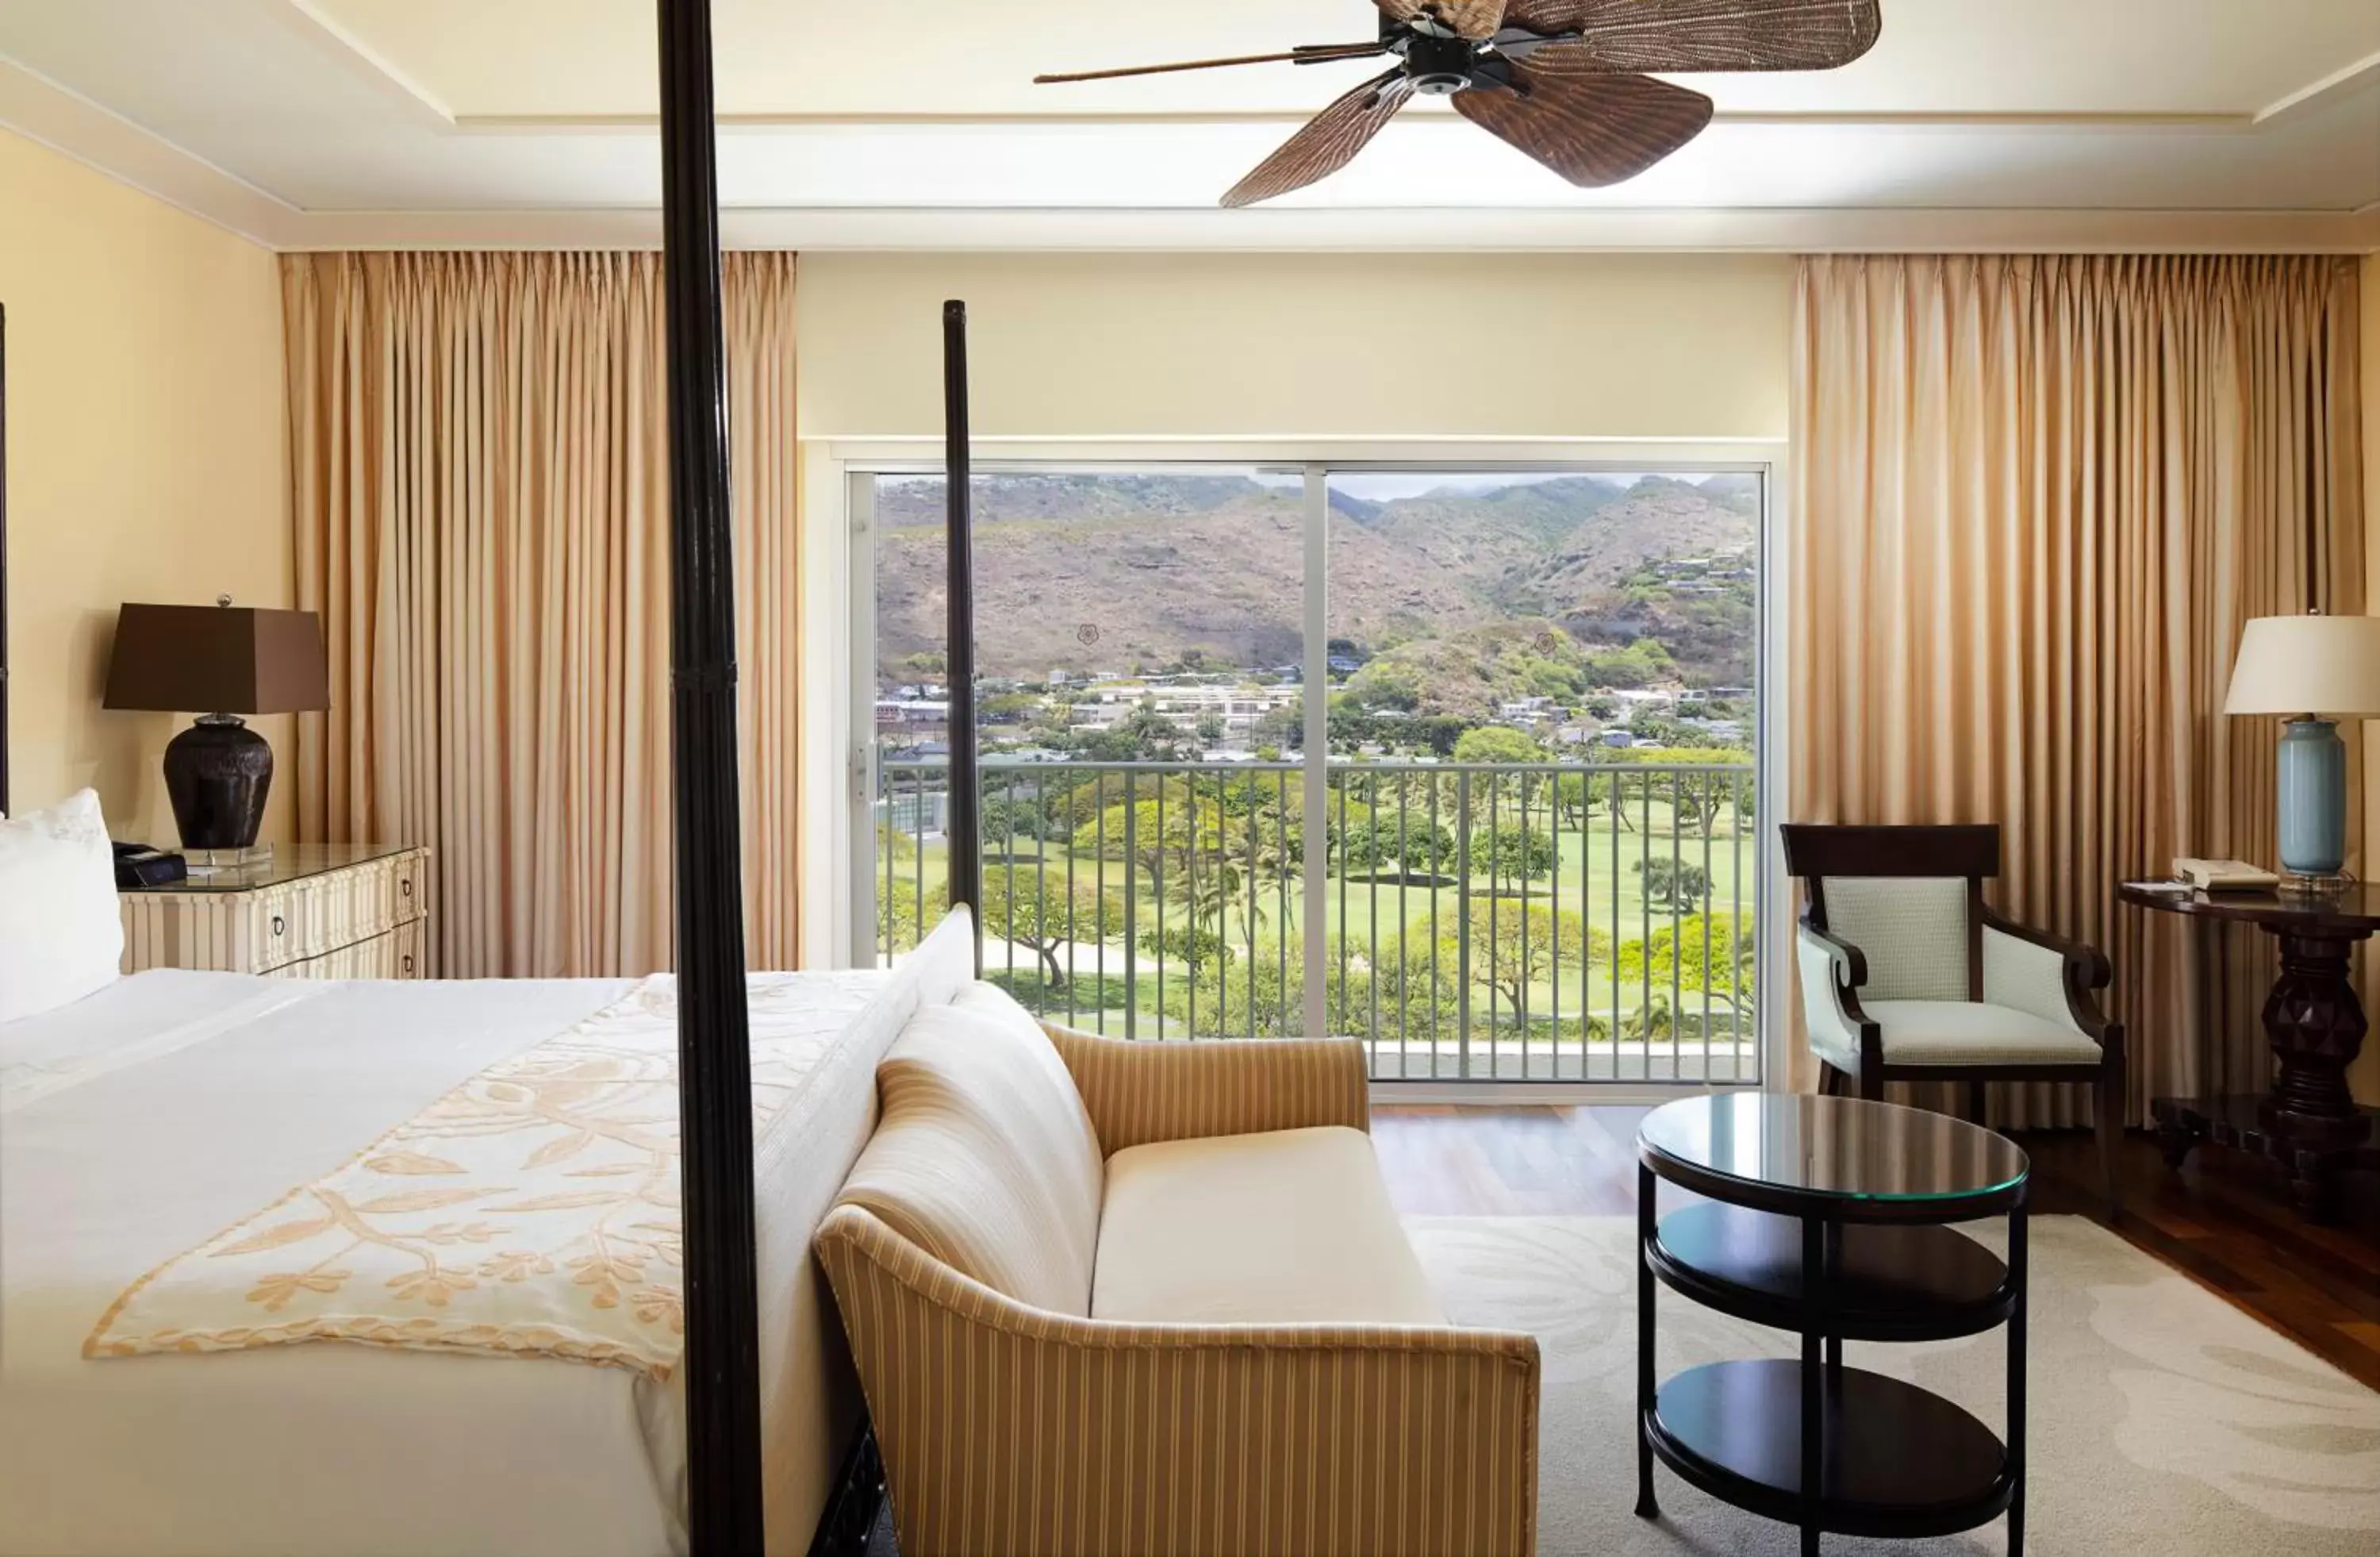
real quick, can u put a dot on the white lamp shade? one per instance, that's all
(2308, 664)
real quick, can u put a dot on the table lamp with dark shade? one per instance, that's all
(221, 662)
(2313, 671)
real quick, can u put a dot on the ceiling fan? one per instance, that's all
(1560, 80)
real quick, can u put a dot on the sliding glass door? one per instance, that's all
(1460, 762)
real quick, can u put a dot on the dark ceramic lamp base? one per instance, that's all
(217, 774)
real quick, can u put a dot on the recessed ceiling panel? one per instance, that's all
(574, 58)
(407, 107)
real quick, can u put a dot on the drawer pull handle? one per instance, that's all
(280, 925)
(408, 965)
(406, 887)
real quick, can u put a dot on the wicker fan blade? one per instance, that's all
(1329, 143)
(1699, 34)
(1470, 18)
(1591, 129)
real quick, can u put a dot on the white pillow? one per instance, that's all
(61, 933)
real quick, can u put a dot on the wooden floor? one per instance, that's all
(2222, 1222)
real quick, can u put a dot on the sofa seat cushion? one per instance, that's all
(1291, 1227)
(984, 1158)
(1960, 1032)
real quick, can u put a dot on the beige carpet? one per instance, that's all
(2165, 1423)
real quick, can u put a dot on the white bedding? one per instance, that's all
(137, 1124)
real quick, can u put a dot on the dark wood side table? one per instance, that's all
(1828, 1217)
(2308, 1122)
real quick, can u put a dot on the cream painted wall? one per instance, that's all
(1323, 349)
(1308, 345)
(145, 437)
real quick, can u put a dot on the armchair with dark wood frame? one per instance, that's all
(1909, 975)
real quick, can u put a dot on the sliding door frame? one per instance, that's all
(840, 848)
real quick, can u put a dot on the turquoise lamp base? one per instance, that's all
(2313, 792)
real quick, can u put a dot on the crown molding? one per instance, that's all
(308, 20)
(1292, 230)
(99, 137)
(2347, 79)
(1281, 118)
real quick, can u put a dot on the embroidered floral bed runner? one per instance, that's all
(532, 1211)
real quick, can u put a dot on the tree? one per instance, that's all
(1211, 729)
(1142, 735)
(1495, 746)
(1714, 952)
(1410, 984)
(1673, 883)
(1642, 664)
(899, 923)
(1414, 988)
(1035, 909)
(1009, 816)
(1283, 726)
(1188, 943)
(1405, 845)
(1678, 735)
(1132, 833)
(1233, 874)
(1520, 853)
(1513, 946)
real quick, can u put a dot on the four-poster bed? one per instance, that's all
(752, 1425)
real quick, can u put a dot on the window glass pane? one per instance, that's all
(1537, 848)
(1542, 719)
(1139, 637)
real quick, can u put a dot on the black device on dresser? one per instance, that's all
(1828, 1217)
(139, 866)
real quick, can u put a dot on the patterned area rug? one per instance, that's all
(2163, 1421)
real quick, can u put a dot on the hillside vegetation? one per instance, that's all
(1485, 596)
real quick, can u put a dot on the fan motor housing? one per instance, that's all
(1440, 65)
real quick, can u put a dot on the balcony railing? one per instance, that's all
(1557, 922)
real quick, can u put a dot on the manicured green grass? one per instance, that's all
(1596, 882)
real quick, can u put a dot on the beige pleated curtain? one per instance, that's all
(481, 489)
(2035, 500)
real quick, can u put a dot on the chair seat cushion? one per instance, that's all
(1290, 1227)
(1958, 1032)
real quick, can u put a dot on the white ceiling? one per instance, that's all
(1974, 122)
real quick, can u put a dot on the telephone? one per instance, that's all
(2225, 875)
(138, 866)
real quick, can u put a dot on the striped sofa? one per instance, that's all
(1111, 1298)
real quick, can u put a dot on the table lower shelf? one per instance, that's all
(1899, 1463)
(1889, 1283)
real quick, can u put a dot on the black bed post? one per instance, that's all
(722, 1369)
(958, 467)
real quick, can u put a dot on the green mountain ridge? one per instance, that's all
(1084, 573)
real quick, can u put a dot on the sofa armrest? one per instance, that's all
(1009, 1429)
(1139, 1093)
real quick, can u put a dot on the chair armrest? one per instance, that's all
(2038, 973)
(1832, 972)
(1137, 1093)
(1012, 1429)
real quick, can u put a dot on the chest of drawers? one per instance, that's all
(309, 911)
